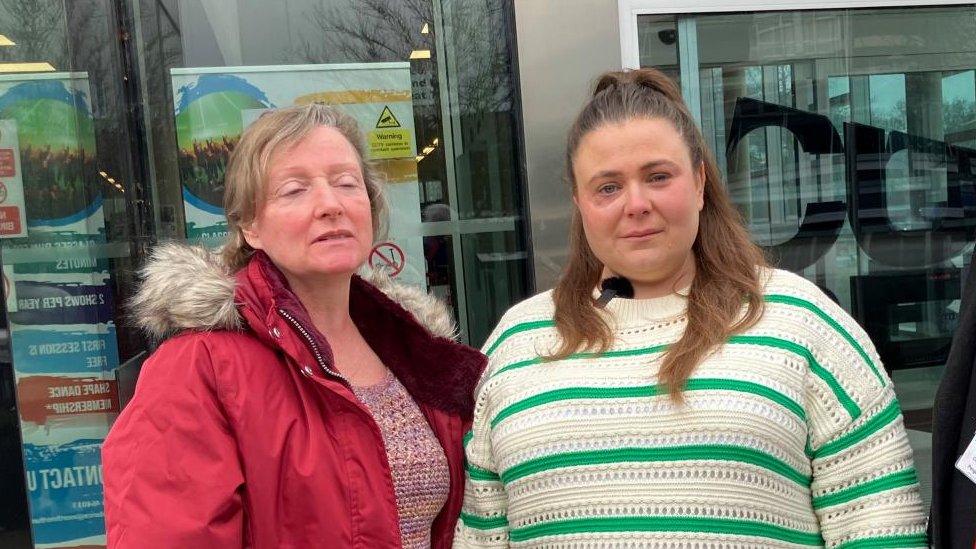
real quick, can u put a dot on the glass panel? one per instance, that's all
(848, 140)
(497, 260)
(439, 254)
(658, 43)
(95, 104)
(71, 195)
(212, 65)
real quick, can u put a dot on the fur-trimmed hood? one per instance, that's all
(188, 288)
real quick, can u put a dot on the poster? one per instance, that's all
(59, 301)
(213, 106)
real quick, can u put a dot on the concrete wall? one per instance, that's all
(563, 45)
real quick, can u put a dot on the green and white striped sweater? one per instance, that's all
(790, 436)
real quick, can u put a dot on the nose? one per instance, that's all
(327, 201)
(638, 200)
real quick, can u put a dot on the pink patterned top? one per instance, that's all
(421, 478)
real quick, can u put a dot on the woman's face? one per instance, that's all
(314, 218)
(639, 197)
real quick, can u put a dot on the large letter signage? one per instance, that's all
(868, 153)
(822, 221)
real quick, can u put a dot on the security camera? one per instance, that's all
(668, 36)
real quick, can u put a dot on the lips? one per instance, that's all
(333, 235)
(642, 233)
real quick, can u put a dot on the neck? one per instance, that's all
(327, 301)
(680, 278)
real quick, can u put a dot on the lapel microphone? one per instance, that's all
(615, 286)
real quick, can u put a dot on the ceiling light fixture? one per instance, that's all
(26, 67)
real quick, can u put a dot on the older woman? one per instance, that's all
(294, 404)
(701, 399)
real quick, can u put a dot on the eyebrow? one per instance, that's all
(301, 169)
(648, 166)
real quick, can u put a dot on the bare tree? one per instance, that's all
(383, 30)
(473, 50)
(38, 29)
(370, 30)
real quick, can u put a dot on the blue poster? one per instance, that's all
(61, 306)
(51, 350)
(64, 485)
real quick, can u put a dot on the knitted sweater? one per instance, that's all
(790, 436)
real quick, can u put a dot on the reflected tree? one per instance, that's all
(380, 30)
(37, 29)
(475, 43)
(370, 30)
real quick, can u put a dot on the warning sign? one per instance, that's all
(389, 139)
(387, 120)
(385, 144)
(387, 257)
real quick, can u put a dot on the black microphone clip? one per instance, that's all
(615, 286)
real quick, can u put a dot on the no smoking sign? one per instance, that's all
(387, 257)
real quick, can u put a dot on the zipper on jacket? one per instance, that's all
(378, 432)
(314, 346)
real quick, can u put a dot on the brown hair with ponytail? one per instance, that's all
(726, 260)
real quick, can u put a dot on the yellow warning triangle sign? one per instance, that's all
(387, 120)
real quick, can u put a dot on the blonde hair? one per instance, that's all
(248, 168)
(726, 260)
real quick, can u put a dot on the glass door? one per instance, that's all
(457, 223)
(73, 205)
(847, 138)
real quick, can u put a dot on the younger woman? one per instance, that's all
(726, 405)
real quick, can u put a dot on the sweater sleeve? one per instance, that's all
(484, 521)
(864, 486)
(172, 476)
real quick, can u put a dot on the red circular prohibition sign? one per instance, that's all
(389, 257)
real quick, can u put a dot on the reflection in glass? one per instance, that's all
(439, 256)
(66, 161)
(463, 98)
(496, 261)
(848, 140)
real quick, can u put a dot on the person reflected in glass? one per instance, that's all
(293, 403)
(723, 403)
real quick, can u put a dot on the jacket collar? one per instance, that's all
(187, 288)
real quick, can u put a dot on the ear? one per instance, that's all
(251, 234)
(700, 180)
